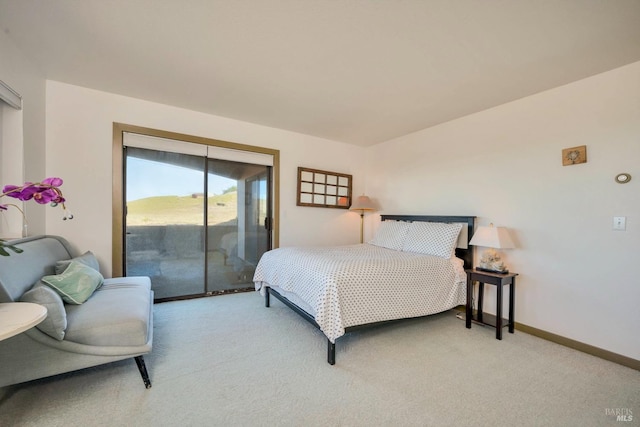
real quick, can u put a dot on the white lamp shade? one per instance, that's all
(363, 203)
(492, 237)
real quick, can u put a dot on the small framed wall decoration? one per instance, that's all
(574, 155)
(324, 189)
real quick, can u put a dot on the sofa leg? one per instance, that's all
(143, 371)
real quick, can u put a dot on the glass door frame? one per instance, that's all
(118, 173)
(250, 192)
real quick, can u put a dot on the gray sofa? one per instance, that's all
(114, 323)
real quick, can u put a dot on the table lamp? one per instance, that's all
(493, 238)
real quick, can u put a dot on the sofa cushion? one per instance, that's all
(117, 314)
(87, 258)
(76, 284)
(19, 273)
(55, 323)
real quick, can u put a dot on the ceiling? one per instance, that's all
(356, 71)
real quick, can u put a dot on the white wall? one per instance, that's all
(577, 276)
(79, 140)
(23, 132)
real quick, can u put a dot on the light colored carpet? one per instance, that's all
(229, 361)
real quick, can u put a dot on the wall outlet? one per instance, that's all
(620, 223)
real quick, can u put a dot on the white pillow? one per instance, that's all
(391, 234)
(432, 238)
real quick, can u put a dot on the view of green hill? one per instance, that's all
(164, 210)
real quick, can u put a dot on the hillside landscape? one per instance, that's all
(165, 210)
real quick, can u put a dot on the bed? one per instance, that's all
(413, 267)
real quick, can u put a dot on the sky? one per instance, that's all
(146, 178)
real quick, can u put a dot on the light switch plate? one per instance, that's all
(620, 223)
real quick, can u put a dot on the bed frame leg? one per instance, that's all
(266, 297)
(331, 352)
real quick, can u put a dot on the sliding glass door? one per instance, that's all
(237, 229)
(194, 224)
(257, 217)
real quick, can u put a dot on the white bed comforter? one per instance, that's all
(359, 284)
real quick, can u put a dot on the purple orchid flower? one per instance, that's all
(53, 182)
(12, 191)
(45, 192)
(45, 195)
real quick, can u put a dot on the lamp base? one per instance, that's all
(491, 261)
(489, 270)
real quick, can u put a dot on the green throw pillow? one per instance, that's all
(76, 284)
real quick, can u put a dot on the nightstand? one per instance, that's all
(498, 280)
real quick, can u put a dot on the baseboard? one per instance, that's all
(576, 345)
(580, 346)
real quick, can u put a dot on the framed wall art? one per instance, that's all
(324, 189)
(574, 155)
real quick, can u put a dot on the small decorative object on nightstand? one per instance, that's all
(499, 280)
(493, 238)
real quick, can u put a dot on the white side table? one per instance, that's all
(17, 317)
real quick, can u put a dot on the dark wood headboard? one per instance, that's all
(464, 254)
